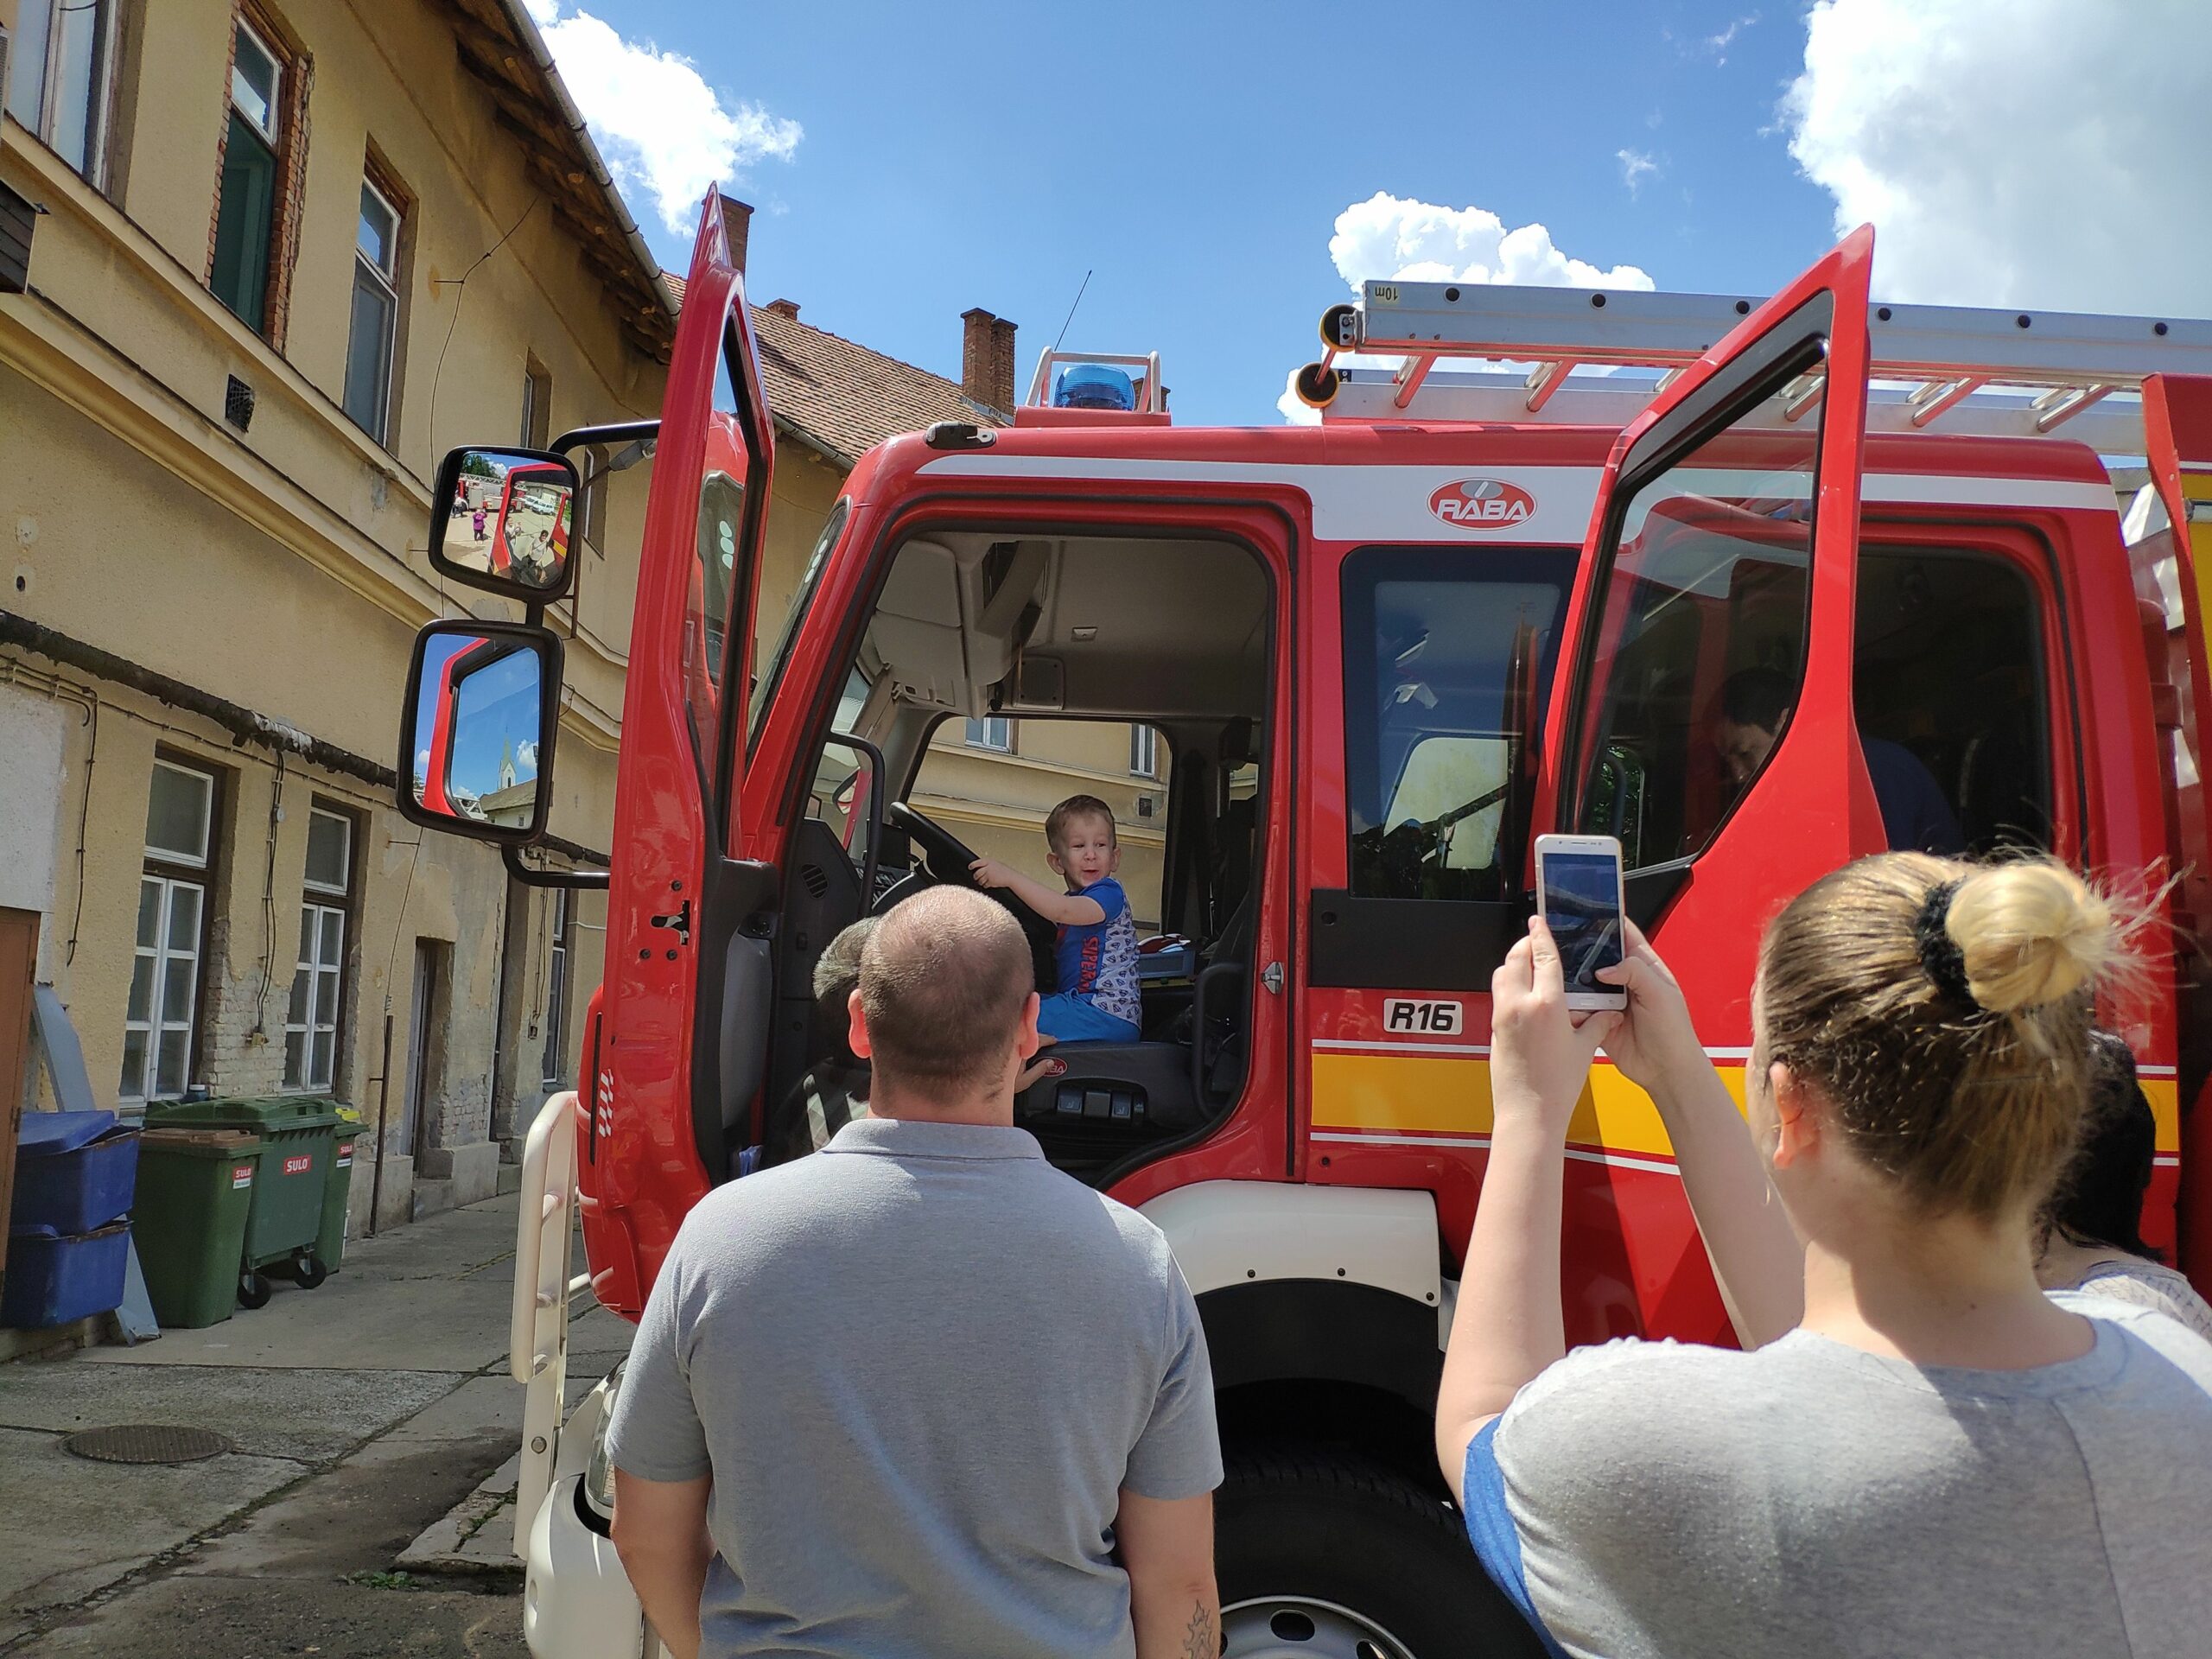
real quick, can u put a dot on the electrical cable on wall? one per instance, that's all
(269, 908)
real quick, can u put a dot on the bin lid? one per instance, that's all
(268, 1115)
(229, 1142)
(47, 1135)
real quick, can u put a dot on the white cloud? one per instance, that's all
(2016, 152)
(1637, 166)
(663, 131)
(1718, 44)
(1388, 236)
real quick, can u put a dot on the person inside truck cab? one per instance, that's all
(1755, 704)
(1920, 1451)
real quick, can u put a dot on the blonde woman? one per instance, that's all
(1920, 1451)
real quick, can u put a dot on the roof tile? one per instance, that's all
(841, 398)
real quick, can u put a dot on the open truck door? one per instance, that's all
(676, 1052)
(2171, 546)
(1703, 709)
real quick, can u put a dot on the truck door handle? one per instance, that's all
(1271, 977)
(681, 921)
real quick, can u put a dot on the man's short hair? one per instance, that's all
(837, 969)
(1077, 806)
(1756, 697)
(943, 979)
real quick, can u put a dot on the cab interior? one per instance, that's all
(1172, 632)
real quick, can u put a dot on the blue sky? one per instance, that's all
(909, 162)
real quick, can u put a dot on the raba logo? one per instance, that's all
(1482, 504)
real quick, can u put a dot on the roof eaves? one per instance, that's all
(643, 267)
(814, 441)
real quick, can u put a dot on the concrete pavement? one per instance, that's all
(362, 1413)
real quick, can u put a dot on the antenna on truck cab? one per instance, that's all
(2014, 373)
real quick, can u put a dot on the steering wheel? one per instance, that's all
(948, 858)
(947, 855)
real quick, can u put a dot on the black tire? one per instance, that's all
(308, 1270)
(1334, 1529)
(253, 1290)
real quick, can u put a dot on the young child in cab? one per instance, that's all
(1097, 1001)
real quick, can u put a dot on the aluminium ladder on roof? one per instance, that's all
(1979, 371)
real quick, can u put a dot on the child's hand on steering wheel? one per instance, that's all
(989, 873)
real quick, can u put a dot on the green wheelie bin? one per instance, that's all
(337, 1188)
(195, 1187)
(285, 1223)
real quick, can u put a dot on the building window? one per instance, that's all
(994, 734)
(59, 66)
(311, 1021)
(376, 313)
(557, 1001)
(1144, 751)
(246, 213)
(158, 1027)
(536, 404)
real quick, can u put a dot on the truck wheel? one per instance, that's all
(1326, 1555)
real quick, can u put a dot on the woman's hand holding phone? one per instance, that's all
(1540, 1049)
(1654, 1046)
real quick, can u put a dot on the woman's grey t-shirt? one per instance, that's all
(1813, 1500)
(920, 1366)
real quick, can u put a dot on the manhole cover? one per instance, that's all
(147, 1443)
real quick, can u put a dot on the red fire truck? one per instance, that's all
(1476, 601)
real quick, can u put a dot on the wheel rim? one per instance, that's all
(1299, 1627)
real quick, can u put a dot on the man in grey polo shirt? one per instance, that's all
(921, 1393)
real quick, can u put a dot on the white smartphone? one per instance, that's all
(1578, 896)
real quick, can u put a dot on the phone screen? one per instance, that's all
(1582, 906)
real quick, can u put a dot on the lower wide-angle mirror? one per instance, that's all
(483, 704)
(500, 520)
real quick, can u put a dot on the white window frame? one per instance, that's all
(553, 1063)
(99, 95)
(1144, 751)
(155, 870)
(269, 133)
(537, 383)
(319, 954)
(993, 734)
(387, 279)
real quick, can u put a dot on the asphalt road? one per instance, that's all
(360, 1414)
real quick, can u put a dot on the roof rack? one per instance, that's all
(1975, 370)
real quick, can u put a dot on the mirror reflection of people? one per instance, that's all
(2092, 1228)
(1755, 704)
(1922, 1451)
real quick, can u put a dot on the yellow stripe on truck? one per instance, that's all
(1411, 1094)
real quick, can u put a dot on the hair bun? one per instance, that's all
(2031, 933)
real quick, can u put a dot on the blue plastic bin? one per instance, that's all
(53, 1280)
(75, 1171)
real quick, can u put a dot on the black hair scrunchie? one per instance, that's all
(1939, 956)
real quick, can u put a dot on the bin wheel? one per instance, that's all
(253, 1290)
(308, 1270)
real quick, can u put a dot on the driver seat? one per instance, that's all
(1124, 1092)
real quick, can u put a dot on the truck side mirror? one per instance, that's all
(476, 736)
(500, 520)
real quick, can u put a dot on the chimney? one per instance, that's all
(986, 359)
(737, 224)
(1002, 364)
(783, 309)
